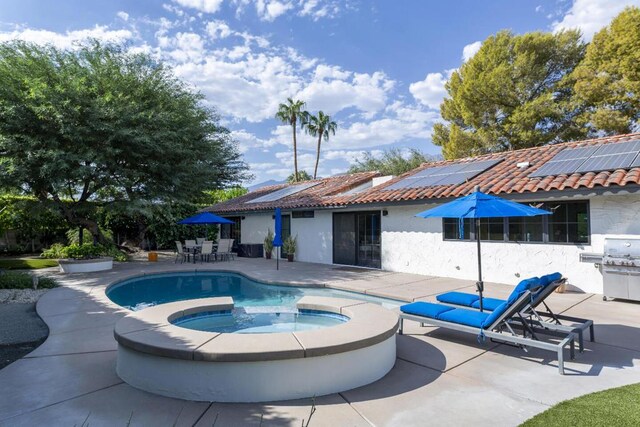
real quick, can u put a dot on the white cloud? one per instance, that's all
(317, 9)
(123, 15)
(430, 91)
(218, 29)
(247, 140)
(187, 48)
(366, 92)
(471, 49)
(591, 15)
(270, 10)
(67, 40)
(207, 6)
(350, 155)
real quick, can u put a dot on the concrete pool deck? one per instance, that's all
(440, 377)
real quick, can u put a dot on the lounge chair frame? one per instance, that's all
(496, 332)
(537, 319)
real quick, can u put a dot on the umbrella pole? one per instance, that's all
(479, 283)
(278, 259)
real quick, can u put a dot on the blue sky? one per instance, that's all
(377, 67)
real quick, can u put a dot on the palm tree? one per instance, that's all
(321, 126)
(289, 113)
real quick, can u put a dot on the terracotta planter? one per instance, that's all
(290, 257)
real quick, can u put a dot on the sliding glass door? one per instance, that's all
(356, 239)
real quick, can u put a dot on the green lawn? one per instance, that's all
(27, 263)
(614, 407)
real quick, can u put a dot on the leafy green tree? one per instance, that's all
(392, 162)
(212, 197)
(290, 112)
(302, 176)
(512, 94)
(321, 126)
(96, 126)
(607, 81)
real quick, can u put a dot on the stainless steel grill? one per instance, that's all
(621, 268)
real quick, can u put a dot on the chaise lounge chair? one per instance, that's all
(495, 325)
(541, 319)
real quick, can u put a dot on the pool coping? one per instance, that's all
(150, 331)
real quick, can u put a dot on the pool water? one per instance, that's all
(262, 322)
(140, 292)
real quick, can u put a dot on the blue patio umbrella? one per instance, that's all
(480, 205)
(205, 218)
(277, 239)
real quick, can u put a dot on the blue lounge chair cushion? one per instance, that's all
(489, 304)
(550, 278)
(522, 287)
(458, 298)
(488, 321)
(463, 316)
(425, 309)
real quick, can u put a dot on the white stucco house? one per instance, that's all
(592, 187)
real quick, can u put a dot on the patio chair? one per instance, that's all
(200, 240)
(180, 253)
(189, 243)
(542, 319)
(206, 251)
(232, 254)
(495, 325)
(224, 249)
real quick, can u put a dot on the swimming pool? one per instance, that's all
(241, 322)
(146, 291)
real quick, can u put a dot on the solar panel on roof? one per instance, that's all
(444, 175)
(592, 159)
(636, 162)
(575, 153)
(283, 192)
(619, 148)
(610, 162)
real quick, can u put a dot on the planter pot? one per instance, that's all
(268, 255)
(85, 265)
(290, 257)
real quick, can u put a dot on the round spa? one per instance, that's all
(206, 350)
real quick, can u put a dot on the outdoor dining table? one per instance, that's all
(195, 249)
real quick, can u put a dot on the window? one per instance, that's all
(452, 230)
(232, 231)
(569, 223)
(492, 229)
(526, 229)
(302, 214)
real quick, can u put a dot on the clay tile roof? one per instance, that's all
(320, 194)
(503, 178)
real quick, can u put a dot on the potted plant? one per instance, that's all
(268, 244)
(289, 247)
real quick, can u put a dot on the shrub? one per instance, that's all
(55, 251)
(268, 242)
(20, 280)
(85, 251)
(290, 244)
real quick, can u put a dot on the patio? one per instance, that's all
(442, 377)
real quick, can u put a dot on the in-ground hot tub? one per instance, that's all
(157, 355)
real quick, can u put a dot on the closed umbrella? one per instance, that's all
(277, 239)
(480, 205)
